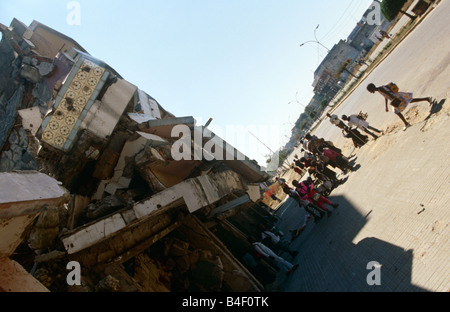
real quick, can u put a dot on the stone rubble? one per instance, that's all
(136, 219)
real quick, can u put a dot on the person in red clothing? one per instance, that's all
(313, 210)
(298, 170)
(307, 192)
(337, 159)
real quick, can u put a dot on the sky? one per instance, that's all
(238, 62)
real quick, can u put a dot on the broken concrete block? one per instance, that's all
(26, 60)
(196, 193)
(93, 233)
(19, 208)
(121, 180)
(30, 73)
(31, 119)
(253, 192)
(14, 278)
(52, 255)
(104, 207)
(41, 238)
(45, 68)
(104, 115)
(92, 153)
(49, 218)
(108, 284)
(11, 233)
(37, 190)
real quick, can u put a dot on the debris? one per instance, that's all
(108, 284)
(52, 255)
(108, 144)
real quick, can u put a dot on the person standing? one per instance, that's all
(357, 138)
(307, 191)
(320, 169)
(355, 121)
(336, 158)
(281, 181)
(298, 169)
(313, 210)
(334, 119)
(312, 143)
(398, 100)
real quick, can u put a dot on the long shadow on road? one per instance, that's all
(330, 261)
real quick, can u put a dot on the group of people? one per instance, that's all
(311, 193)
(399, 101)
(351, 131)
(319, 156)
(318, 159)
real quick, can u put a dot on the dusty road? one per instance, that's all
(394, 209)
(420, 64)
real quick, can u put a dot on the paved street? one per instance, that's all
(395, 208)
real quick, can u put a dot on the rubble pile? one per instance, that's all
(136, 218)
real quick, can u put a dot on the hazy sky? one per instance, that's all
(236, 61)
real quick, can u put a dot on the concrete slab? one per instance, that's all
(195, 193)
(14, 278)
(22, 196)
(25, 192)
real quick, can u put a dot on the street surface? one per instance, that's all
(394, 209)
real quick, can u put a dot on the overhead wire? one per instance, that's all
(344, 19)
(348, 18)
(338, 21)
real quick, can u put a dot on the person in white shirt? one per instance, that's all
(268, 253)
(354, 121)
(334, 119)
(276, 241)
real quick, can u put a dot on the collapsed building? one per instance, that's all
(133, 216)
